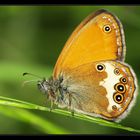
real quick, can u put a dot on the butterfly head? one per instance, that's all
(44, 85)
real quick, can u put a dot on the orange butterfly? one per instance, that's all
(90, 75)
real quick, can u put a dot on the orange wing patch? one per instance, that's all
(90, 42)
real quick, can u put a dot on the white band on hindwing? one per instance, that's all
(109, 83)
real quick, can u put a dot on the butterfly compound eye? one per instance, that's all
(107, 29)
(118, 98)
(100, 67)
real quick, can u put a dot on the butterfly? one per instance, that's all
(90, 75)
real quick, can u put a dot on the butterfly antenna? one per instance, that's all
(26, 82)
(26, 73)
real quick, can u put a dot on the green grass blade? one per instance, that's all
(41, 124)
(26, 105)
(21, 104)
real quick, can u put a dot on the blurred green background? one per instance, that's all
(31, 39)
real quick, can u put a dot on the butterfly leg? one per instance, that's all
(52, 103)
(52, 99)
(70, 106)
(46, 99)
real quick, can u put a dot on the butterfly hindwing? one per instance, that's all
(104, 88)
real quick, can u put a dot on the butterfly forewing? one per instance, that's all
(99, 37)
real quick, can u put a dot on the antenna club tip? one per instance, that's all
(25, 73)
